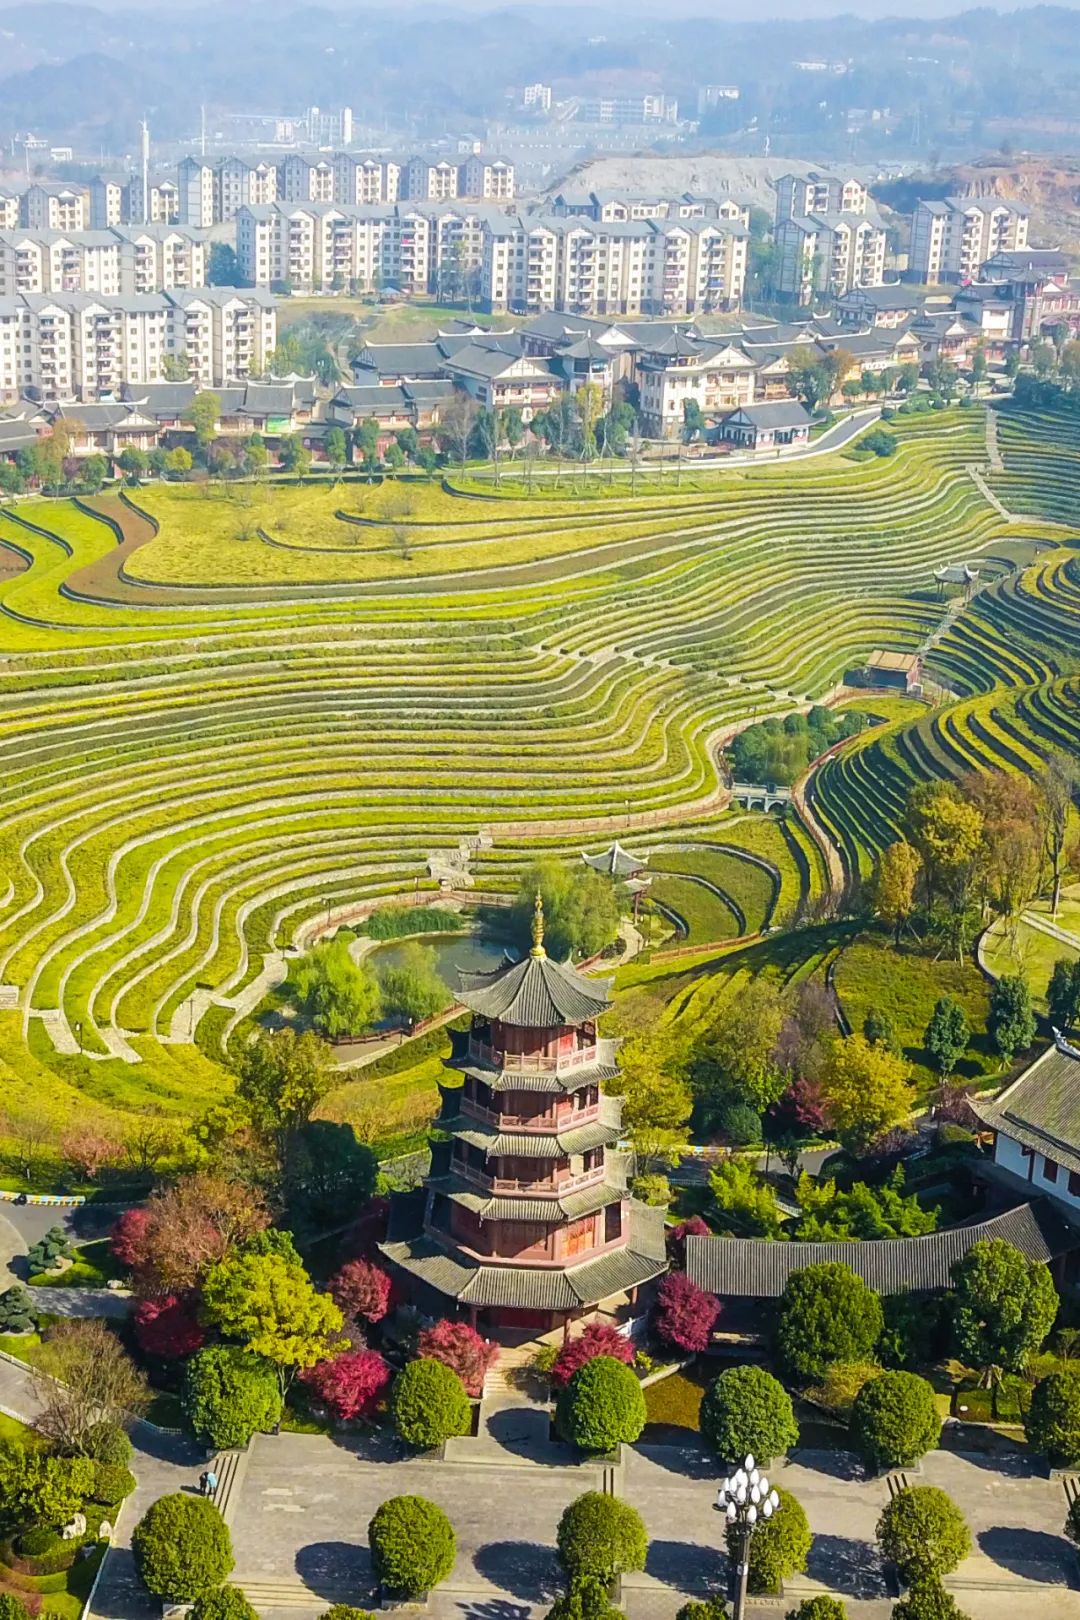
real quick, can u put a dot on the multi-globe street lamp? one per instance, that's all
(746, 1500)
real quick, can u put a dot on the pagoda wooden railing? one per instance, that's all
(529, 1063)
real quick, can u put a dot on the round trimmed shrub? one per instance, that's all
(412, 1544)
(345, 1611)
(928, 1600)
(108, 1443)
(746, 1409)
(779, 1546)
(894, 1420)
(588, 1601)
(821, 1607)
(602, 1406)
(111, 1483)
(38, 1541)
(428, 1404)
(1052, 1422)
(181, 1547)
(924, 1533)
(229, 1395)
(827, 1314)
(599, 1538)
(226, 1603)
(711, 1608)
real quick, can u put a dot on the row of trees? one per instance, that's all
(987, 844)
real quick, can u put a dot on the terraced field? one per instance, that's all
(225, 718)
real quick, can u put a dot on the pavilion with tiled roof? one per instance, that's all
(525, 1221)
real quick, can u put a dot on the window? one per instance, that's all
(1074, 1183)
(1050, 1170)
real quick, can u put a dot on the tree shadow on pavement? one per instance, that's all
(852, 1568)
(1037, 1555)
(333, 1568)
(688, 1460)
(687, 1566)
(843, 1465)
(525, 1569)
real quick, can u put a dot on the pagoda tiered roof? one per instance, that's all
(568, 1206)
(545, 1076)
(537, 992)
(593, 1133)
(526, 1287)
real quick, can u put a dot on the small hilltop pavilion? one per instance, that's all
(525, 1224)
(627, 869)
(961, 574)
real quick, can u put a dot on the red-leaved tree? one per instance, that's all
(360, 1289)
(677, 1236)
(352, 1385)
(598, 1339)
(128, 1237)
(89, 1150)
(462, 1348)
(684, 1315)
(167, 1326)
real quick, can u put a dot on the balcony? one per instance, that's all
(478, 1052)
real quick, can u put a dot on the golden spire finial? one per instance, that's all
(538, 927)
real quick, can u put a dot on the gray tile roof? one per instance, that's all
(754, 1268)
(779, 413)
(401, 359)
(1041, 1109)
(616, 861)
(600, 1132)
(536, 993)
(553, 1211)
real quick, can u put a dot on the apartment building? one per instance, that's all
(126, 259)
(9, 210)
(118, 200)
(610, 207)
(86, 346)
(238, 184)
(195, 184)
(49, 207)
(638, 109)
(487, 179)
(714, 373)
(800, 195)
(827, 255)
(304, 179)
(426, 181)
(360, 180)
(952, 238)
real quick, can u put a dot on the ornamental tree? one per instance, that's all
(37, 1489)
(1012, 1017)
(827, 1314)
(181, 1548)
(268, 1302)
(128, 1237)
(412, 1545)
(710, 1608)
(345, 1611)
(229, 1395)
(684, 1315)
(821, 1607)
(600, 1538)
(947, 1035)
(1052, 1421)
(460, 1347)
(928, 1600)
(601, 1407)
(352, 1385)
(167, 1326)
(428, 1404)
(695, 1226)
(923, 1533)
(189, 1226)
(588, 1601)
(894, 1420)
(227, 1603)
(779, 1546)
(866, 1089)
(361, 1289)
(598, 1339)
(1004, 1305)
(747, 1410)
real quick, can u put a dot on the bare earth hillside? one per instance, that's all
(748, 179)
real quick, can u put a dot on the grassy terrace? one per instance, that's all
(220, 712)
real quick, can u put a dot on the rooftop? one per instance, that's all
(536, 993)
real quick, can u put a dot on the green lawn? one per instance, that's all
(673, 1404)
(870, 976)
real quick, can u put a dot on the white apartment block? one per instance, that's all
(119, 201)
(488, 179)
(124, 260)
(55, 208)
(329, 126)
(9, 210)
(828, 254)
(195, 183)
(82, 346)
(303, 179)
(238, 185)
(800, 195)
(537, 96)
(431, 182)
(360, 180)
(953, 238)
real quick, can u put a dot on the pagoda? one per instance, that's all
(525, 1221)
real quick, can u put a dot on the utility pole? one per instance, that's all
(145, 172)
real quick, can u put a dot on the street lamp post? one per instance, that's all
(745, 1499)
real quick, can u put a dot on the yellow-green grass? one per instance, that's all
(904, 985)
(1022, 949)
(193, 773)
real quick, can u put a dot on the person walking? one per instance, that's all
(211, 1483)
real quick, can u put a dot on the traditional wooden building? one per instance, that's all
(525, 1221)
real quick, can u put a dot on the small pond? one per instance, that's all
(473, 952)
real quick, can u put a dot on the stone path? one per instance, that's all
(1046, 926)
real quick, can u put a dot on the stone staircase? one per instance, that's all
(230, 1468)
(265, 1595)
(502, 1379)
